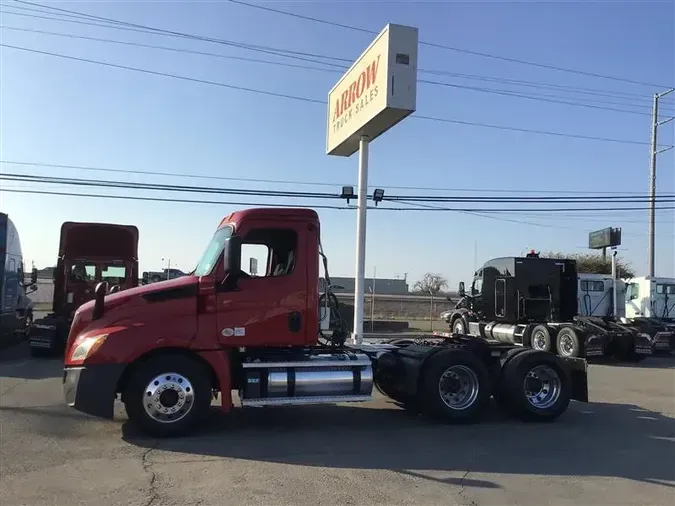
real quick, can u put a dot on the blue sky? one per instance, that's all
(72, 113)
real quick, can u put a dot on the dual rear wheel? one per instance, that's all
(565, 340)
(532, 385)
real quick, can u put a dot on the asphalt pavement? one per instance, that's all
(617, 449)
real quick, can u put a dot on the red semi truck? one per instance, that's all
(169, 348)
(88, 254)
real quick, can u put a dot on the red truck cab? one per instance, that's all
(169, 346)
(214, 309)
(88, 254)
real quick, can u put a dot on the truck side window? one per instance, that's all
(477, 287)
(269, 252)
(633, 291)
(660, 289)
(500, 297)
(254, 259)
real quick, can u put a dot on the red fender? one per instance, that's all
(220, 362)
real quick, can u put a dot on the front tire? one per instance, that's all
(458, 326)
(168, 395)
(455, 387)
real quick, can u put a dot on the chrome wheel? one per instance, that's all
(168, 398)
(458, 327)
(566, 345)
(539, 340)
(542, 386)
(458, 387)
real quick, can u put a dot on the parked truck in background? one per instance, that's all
(597, 298)
(16, 309)
(169, 348)
(155, 276)
(89, 253)
(533, 302)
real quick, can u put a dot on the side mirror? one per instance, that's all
(233, 255)
(34, 276)
(462, 290)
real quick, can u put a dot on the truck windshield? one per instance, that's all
(114, 273)
(213, 251)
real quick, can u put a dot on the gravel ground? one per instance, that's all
(618, 449)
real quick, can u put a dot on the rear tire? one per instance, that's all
(168, 395)
(455, 387)
(537, 386)
(499, 392)
(568, 343)
(540, 339)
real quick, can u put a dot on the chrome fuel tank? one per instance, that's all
(326, 378)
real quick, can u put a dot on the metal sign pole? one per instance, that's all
(362, 206)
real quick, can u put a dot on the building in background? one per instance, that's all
(383, 286)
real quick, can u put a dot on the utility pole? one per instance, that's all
(652, 174)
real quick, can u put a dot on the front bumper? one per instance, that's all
(92, 389)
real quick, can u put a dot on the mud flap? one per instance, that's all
(578, 372)
(664, 341)
(595, 346)
(642, 345)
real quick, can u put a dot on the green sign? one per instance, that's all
(605, 238)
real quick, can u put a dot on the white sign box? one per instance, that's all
(378, 91)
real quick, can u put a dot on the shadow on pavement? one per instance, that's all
(16, 362)
(595, 439)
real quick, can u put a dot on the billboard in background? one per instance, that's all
(605, 238)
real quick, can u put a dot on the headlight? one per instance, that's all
(87, 345)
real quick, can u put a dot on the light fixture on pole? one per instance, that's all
(378, 195)
(347, 193)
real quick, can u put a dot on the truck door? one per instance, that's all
(269, 306)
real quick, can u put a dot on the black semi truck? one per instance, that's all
(532, 301)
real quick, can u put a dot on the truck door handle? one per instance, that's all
(294, 321)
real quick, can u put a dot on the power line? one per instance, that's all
(174, 49)
(296, 183)
(166, 187)
(253, 204)
(127, 26)
(172, 200)
(288, 194)
(542, 97)
(322, 102)
(443, 46)
(531, 97)
(166, 74)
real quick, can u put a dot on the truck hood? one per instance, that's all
(135, 296)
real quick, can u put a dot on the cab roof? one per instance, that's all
(272, 214)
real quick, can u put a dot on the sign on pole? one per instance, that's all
(605, 238)
(378, 91)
